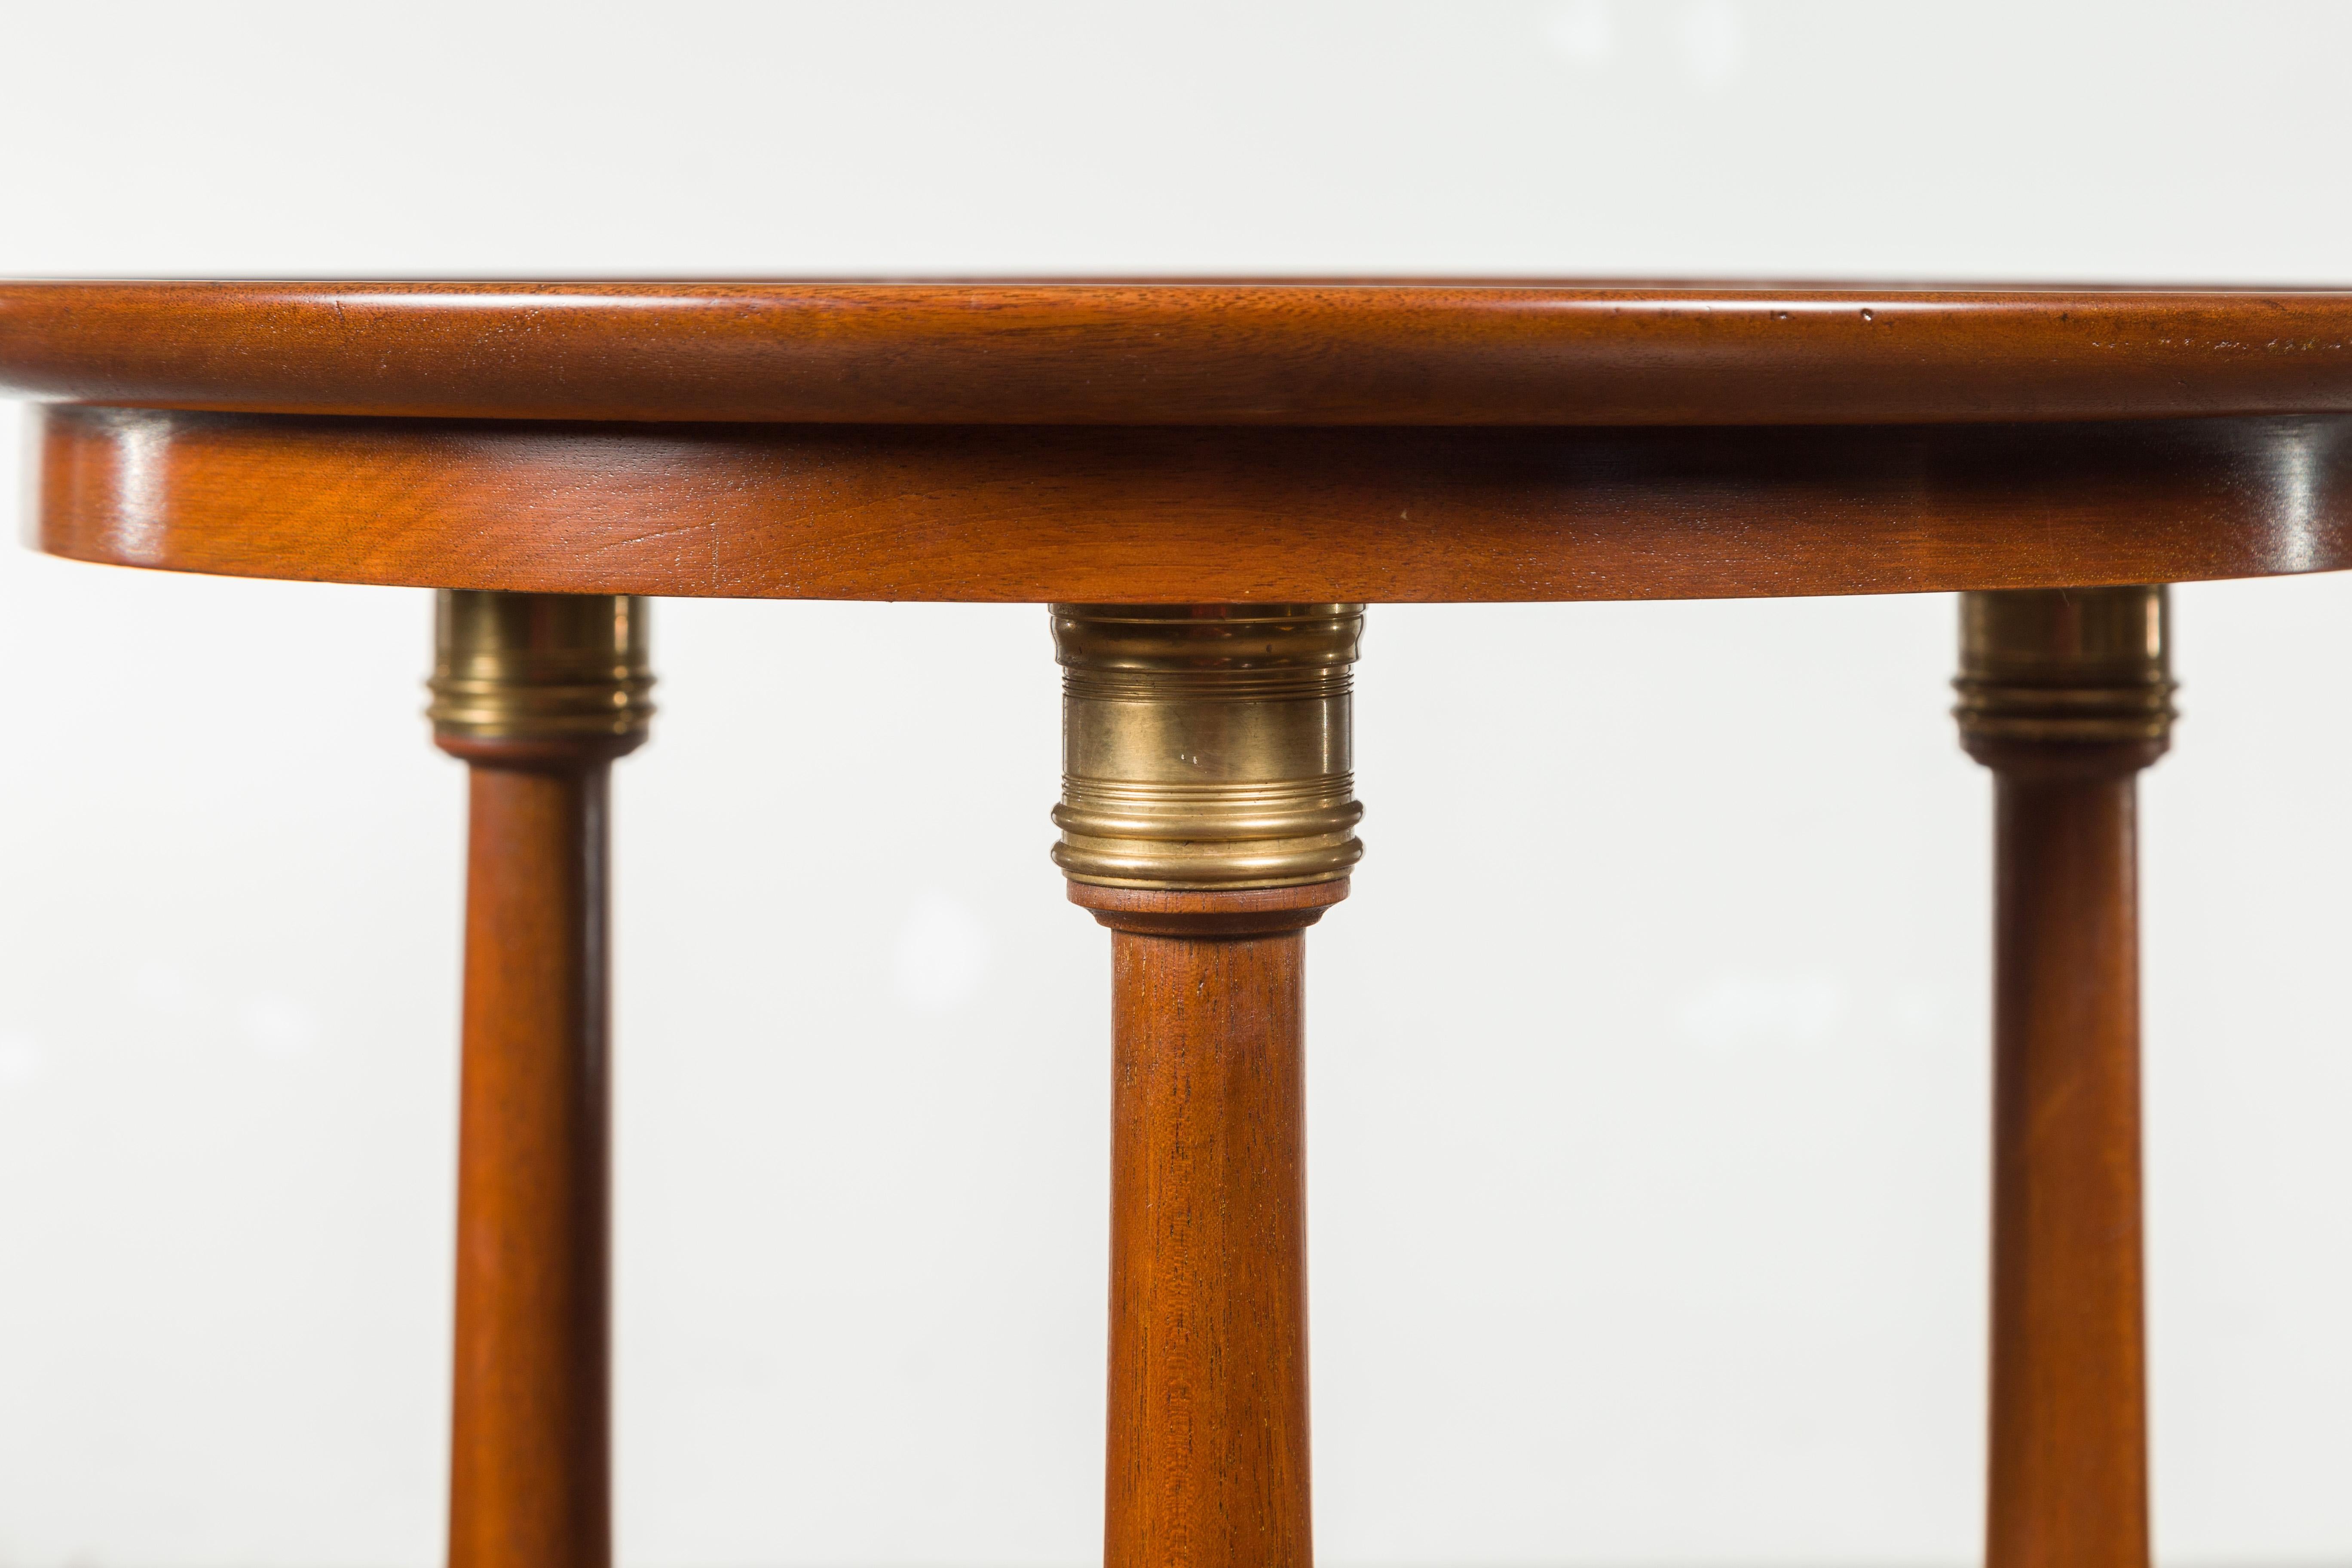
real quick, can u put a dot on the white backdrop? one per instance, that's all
(1649, 1070)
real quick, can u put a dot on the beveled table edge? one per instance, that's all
(1219, 352)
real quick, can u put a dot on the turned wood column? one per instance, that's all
(2066, 695)
(1208, 817)
(538, 692)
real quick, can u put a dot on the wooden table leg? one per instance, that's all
(2066, 696)
(538, 693)
(1208, 818)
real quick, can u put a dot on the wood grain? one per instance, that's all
(530, 1474)
(1232, 515)
(1177, 352)
(1207, 1461)
(2068, 1486)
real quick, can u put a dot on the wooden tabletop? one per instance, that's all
(1198, 352)
(1157, 442)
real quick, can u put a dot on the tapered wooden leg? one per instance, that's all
(2066, 696)
(538, 693)
(1208, 818)
(1207, 1455)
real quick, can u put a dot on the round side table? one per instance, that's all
(1208, 482)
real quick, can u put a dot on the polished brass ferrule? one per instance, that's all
(2054, 668)
(1205, 747)
(547, 669)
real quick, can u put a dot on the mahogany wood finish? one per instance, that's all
(1223, 515)
(1177, 352)
(2066, 696)
(2068, 1485)
(1207, 1458)
(1232, 443)
(530, 1483)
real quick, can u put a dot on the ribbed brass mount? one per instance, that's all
(522, 673)
(1205, 747)
(2054, 672)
